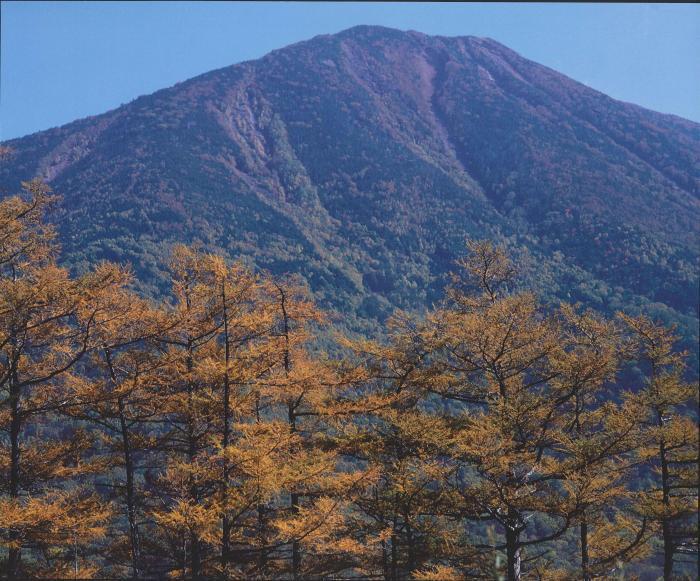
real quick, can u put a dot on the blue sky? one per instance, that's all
(64, 60)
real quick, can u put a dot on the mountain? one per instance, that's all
(363, 159)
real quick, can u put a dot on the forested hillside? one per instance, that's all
(363, 160)
(213, 434)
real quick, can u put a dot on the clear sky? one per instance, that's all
(64, 60)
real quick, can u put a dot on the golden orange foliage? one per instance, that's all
(222, 433)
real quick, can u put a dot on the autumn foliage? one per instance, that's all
(229, 432)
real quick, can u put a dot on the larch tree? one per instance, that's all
(216, 348)
(117, 399)
(231, 363)
(48, 323)
(403, 518)
(667, 409)
(598, 438)
(185, 398)
(247, 391)
(302, 388)
(493, 349)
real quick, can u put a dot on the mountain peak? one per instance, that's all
(379, 31)
(371, 30)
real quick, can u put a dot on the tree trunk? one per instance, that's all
(666, 524)
(668, 551)
(262, 555)
(385, 562)
(130, 494)
(14, 554)
(585, 573)
(296, 552)
(394, 559)
(585, 564)
(226, 437)
(292, 419)
(513, 551)
(411, 548)
(195, 556)
(134, 541)
(666, 490)
(195, 550)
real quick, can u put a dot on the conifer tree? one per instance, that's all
(670, 444)
(493, 349)
(185, 399)
(240, 367)
(241, 320)
(48, 322)
(117, 399)
(301, 387)
(404, 517)
(598, 438)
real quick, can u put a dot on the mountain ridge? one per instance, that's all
(347, 31)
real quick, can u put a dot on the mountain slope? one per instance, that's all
(363, 159)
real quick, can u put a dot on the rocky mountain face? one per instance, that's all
(362, 160)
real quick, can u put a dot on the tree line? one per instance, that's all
(229, 432)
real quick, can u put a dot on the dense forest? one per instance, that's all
(228, 431)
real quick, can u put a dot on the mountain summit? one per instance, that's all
(363, 159)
